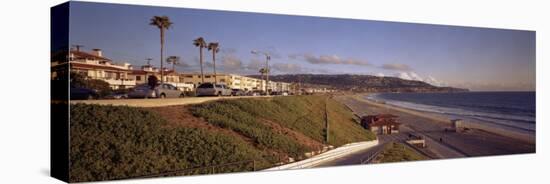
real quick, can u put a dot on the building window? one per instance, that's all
(138, 78)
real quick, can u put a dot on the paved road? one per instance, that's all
(434, 150)
(159, 102)
(355, 158)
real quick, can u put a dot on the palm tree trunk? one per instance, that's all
(266, 76)
(200, 59)
(161, 55)
(214, 61)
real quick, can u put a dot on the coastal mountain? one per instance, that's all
(361, 83)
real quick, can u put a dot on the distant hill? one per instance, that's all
(361, 83)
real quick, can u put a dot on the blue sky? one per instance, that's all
(474, 58)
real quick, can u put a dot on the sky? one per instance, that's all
(479, 59)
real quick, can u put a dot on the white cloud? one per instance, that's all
(414, 76)
(396, 66)
(431, 80)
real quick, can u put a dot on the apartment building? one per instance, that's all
(171, 77)
(119, 76)
(95, 66)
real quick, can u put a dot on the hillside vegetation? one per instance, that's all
(110, 142)
(115, 142)
(303, 114)
(397, 152)
(362, 83)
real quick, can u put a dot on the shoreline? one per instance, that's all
(515, 133)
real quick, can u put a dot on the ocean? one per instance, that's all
(510, 109)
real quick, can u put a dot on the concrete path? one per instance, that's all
(159, 102)
(353, 159)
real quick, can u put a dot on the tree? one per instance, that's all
(215, 48)
(80, 80)
(163, 23)
(200, 43)
(152, 81)
(174, 60)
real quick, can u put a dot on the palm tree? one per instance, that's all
(163, 23)
(263, 72)
(215, 48)
(174, 60)
(199, 42)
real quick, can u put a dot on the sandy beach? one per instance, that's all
(477, 141)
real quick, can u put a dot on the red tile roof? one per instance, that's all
(91, 66)
(379, 120)
(85, 55)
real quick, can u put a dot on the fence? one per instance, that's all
(372, 155)
(328, 156)
(240, 166)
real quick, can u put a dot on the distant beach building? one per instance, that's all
(381, 123)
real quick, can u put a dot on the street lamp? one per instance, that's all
(267, 58)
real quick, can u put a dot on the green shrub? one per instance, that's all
(397, 152)
(110, 142)
(80, 80)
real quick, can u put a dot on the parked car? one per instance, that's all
(117, 95)
(210, 89)
(160, 91)
(237, 92)
(253, 93)
(142, 91)
(169, 91)
(79, 93)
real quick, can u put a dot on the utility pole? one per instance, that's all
(78, 47)
(267, 58)
(326, 121)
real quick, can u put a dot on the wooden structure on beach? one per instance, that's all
(381, 123)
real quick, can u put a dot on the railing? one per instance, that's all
(240, 166)
(327, 156)
(370, 157)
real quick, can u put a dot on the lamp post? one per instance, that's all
(267, 58)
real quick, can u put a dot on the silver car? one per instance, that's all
(209, 89)
(168, 91)
(142, 91)
(160, 91)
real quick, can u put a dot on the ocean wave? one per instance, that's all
(515, 121)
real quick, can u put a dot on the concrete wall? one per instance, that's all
(328, 156)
